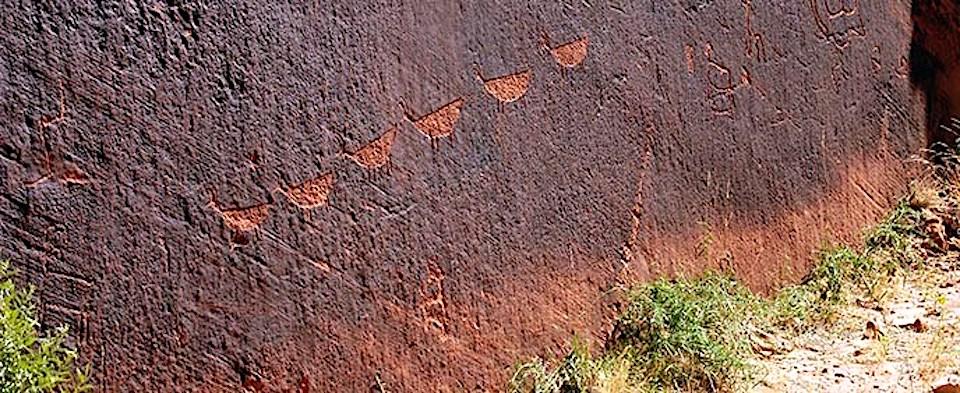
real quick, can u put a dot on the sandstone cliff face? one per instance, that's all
(307, 196)
(935, 62)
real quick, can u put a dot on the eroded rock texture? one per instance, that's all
(935, 63)
(308, 196)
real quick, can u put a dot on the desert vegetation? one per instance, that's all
(32, 361)
(710, 333)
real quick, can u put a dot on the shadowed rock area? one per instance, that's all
(315, 197)
(935, 66)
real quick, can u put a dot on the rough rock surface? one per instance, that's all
(935, 64)
(319, 196)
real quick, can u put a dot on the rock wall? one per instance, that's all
(320, 196)
(935, 67)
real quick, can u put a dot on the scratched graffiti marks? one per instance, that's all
(839, 20)
(65, 302)
(632, 251)
(840, 73)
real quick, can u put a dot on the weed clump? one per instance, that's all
(689, 334)
(574, 373)
(698, 334)
(30, 362)
(889, 248)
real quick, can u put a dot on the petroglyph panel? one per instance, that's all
(439, 123)
(602, 142)
(310, 194)
(572, 53)
(376, 153)
(839, 21)
(507, 88)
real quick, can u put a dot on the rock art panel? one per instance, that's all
(376, 153)
(839, 20)
(507, 88)
(648, 140)
(572, 53)
(312, 193)
(441, 122)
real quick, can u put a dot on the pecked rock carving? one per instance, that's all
(572, 53)
(242, 219)
(376, 153)
(507, 88)
(839, 21)
(439, 123)
(312, 193)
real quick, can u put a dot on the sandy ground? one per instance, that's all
(908, 343)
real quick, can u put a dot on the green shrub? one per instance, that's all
(888, 248)
(687, 333)
(30, 362)
(572, 374)
(695, 334)
(690, 334)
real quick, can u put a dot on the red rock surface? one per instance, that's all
(653, 138)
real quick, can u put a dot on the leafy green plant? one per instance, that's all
(829, 278)
(796, 307)
(893, 231)
(29, 361)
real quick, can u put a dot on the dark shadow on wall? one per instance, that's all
(935, 69)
